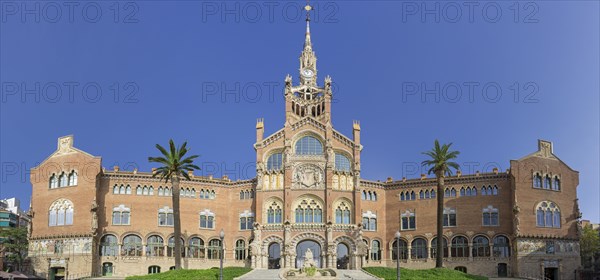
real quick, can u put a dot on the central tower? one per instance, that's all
(307, 98)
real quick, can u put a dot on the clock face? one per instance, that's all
(307, 73)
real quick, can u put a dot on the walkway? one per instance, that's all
(264, 274)
(260, 274)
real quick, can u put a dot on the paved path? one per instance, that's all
(354, 275)
(261, 274)
(267, 274)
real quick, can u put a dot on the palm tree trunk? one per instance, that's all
(176, 221)
(439, 257)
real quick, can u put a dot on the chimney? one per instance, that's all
(356, 132)
(225, 177)
(116, 168)
(458, 173)
(260, 129)
(389, 179)
(423, 176)
(495, 170)
(135, 171)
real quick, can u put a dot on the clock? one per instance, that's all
(307, 73)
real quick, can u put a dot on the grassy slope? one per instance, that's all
(209, 274)
(425, 274)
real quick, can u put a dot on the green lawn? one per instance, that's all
(210, 274)
(422, 274)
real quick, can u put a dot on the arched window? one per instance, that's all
(212, 195)
(196, 249)
(167, 191)
(364, 195)
(145, 190)
(207, 219)
(481, 246)
(155, 246)
(138, 190)
(419, 249)
(342, 163)
(160, 191)
(490, 216)
(369, 195)
(495, 190)
(165, 216)
(241, 194)
(246, 220)
(132, 246)
(154, 269)
(128, 189)
(453, 192)
(240, 250)
(501, 247)
(474, 191)
(376, 250)
(275, 162)
(60, 213)
(309, 211)
(120, 215)
(484, 191)
(434, 247)
(214, 249)
(192, 193)
(460, 247)
(462, 192)
(548, 215)
(556, 185)
(73, 178)
(369, 221)
(109, 245)
(449, 217)
(468, 193)
(62, 180)
(547, 182)
(274, 213)
(537, 180)
(151, 190)
(53, 181)
(403, 250)
(309, 145)
(447, 193)
(171, 247)
(432, 193)
(408, 220)
(427, 196)
(421, 194)
(342, 213)
(374, 196)
(413, 196)
(402, 198)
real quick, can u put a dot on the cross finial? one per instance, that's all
(308, 8)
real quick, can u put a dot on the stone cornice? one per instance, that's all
(431, 182)
(147, 176)
(61, 236)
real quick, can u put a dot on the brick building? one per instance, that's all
(308, 194)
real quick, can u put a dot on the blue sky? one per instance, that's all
(132, 74)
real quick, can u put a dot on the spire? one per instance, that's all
(308, 8)
(308, 60)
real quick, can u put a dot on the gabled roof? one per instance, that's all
(545, 150)
(65, 147)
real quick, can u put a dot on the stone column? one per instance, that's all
(409, 254)
(470, 251)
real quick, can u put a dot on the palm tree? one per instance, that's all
(440, 165)
(174, 166)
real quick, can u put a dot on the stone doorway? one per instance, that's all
(303, 247)
(57, 273)
(502, 270)
(551, 273)
(107, 269)
(343, 256)
(274, 256)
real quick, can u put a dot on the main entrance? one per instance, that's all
(274, 256)
(343, 258)
(302, 249)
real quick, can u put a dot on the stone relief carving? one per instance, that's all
(308, 176)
